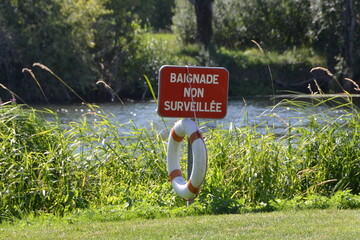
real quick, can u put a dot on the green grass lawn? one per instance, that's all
(306, 224)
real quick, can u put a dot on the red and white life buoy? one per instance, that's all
(190, 189)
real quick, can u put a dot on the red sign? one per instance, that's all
(193, 92)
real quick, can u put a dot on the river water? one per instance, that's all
(254, 112)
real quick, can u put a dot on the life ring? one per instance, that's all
(190, 189)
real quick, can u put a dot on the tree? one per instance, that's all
(116, 47)
(349, 25)
(55, 33)
(204, 15)
(334, 36)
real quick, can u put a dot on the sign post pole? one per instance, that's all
(189, 166)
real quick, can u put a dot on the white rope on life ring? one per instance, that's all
(190, 189)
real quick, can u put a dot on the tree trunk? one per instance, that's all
(349, 24)
(203, 10)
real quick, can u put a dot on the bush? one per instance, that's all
(346, 200)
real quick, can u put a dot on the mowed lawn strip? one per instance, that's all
(305, 224)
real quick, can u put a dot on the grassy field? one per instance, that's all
(309, 224)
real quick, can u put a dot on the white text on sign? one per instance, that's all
(194, 78)
(192, 106)
(194, 92)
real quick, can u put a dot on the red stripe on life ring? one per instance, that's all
(192, 189)
(194, 136)
(176, 137)
(175, 173)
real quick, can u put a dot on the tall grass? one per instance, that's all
(48, 167)
(319, 157)
(36, 169)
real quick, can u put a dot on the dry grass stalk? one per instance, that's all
(36, 80)
(42, 66)
(356, 88)
(323, 69)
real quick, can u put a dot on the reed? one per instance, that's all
(319, 157)
(35, 170)
(46, 167)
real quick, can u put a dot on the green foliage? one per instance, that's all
(340, 200)
(56, 33)
(276, 24)
(184, 21)
(152, 54)
(87, 41)
(328, 35)
(249, 69)
(63, 34)
(84, 41)
(346, 200)
(108, 40)
(328, 27)
(157, 13)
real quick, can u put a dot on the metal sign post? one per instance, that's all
(189, 166)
